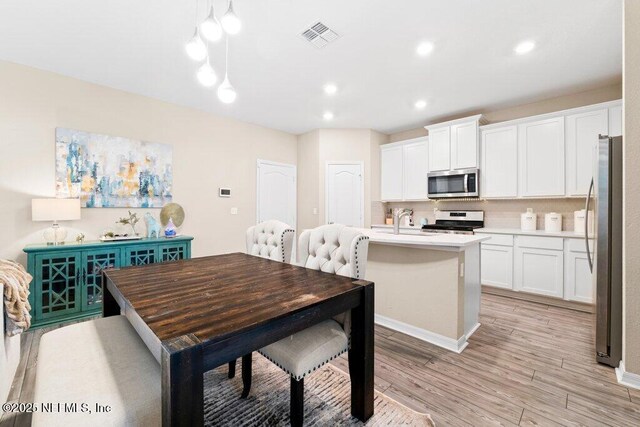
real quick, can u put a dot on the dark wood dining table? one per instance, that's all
(195, 315)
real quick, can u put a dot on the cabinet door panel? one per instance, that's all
(415, 171)
(582, 135)
(464, 145)
(93, 263)
(578, 280)
(173, 252)
(497, 266)
(499, 172)
(541, 154)
(539, 271)
(141, 255)
(57, 284)
(391, 170)
(439, 149)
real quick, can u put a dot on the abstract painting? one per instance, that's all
(112, 172)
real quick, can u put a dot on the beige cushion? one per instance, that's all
(306, 351)
(270, 239)
(101, 361)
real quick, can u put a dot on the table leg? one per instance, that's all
(110, 306)
(182, 382)
(361, 356)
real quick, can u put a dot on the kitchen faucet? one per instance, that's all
(398, 213)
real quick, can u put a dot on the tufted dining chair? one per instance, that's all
(332, 248)
(270, 239)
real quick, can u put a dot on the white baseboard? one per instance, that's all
(424, 335)
(475, 328)
(627, 379)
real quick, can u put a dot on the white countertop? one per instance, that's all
(423, 240)
(542, 233)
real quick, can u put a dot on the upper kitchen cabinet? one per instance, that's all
(454, 145)
(541, 158)
(391, 167)
(582, 131)
(416, 168)
(404, 167)
(440, 149)
(499, 170)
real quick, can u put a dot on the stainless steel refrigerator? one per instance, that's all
(605, 254)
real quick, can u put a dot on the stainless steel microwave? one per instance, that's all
(456, 183)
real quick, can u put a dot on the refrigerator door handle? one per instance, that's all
(586, 226)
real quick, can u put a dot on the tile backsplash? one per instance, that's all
(498, 213)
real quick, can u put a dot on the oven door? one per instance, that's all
(458, 183)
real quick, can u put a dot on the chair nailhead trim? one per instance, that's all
(311, 370)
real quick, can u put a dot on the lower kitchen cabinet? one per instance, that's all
(539, 271)
(496, 261)
(551, 266)
(67, 279)
(578, 282)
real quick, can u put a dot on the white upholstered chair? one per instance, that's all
(273, 240)
(333, 249)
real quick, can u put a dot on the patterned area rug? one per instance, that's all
(327, 400)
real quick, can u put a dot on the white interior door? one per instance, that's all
(276, 192)
(344, 195)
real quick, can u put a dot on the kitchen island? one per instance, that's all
(427, 284)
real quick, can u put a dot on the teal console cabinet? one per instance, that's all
(67, 279)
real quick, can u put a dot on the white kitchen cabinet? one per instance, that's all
(499, 171)
(539, 265)
(404, 168)
(496, 260)
(615, 120)
(439, 149)
(578, 280)
(582, 131)
(391, 172)
(454, 144)
(541, 158)
(416, 167)
(464, 145)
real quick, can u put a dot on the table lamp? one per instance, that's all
(55, 210)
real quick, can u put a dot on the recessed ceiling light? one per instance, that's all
(525, 47)
(330, 89)
(328, 115)
(424, 48)
(420, 104)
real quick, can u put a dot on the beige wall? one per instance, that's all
(631, 300)
(208, 152)
(308, 175)
(603, 94)
(318, 147)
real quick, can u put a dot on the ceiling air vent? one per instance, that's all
(319, 35)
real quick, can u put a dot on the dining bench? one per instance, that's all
(99, 372)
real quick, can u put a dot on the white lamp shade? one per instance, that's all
(55, 209)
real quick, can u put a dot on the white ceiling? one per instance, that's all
(138, 46)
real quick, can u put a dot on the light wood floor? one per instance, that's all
(528, 364)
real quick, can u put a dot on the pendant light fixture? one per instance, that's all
(210, 27)
(226, 93)
(206, 74)
(230, 21)
(195, 47)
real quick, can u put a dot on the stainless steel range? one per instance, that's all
(456, 222)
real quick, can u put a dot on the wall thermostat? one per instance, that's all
(224, 192)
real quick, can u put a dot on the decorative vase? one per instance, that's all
(170, 230)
